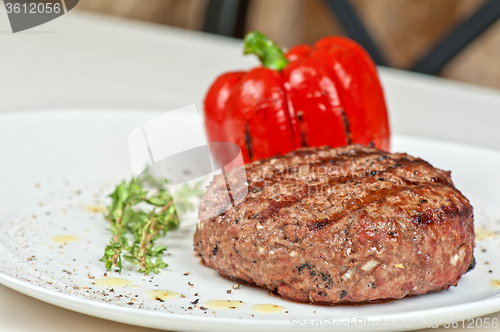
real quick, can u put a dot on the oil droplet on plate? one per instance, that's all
(95, 208)
(162, 295)
(495, 283)
(223, 304)
(136, 286)
(64, 239)
(483, 233)
(268, 308)
(115, 282)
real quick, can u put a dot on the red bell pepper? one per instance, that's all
(325, 94)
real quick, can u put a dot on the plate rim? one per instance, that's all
(182, 322)
(187, 323)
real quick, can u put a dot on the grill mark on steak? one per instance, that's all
(379, 195)
(359, 173)
(443, 213)
(345, 156)
(275, 206)
(376, 194)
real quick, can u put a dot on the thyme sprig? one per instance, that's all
(138, 218)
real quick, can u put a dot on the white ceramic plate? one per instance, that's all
(54, 165)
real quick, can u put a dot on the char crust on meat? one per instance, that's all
(339, 225)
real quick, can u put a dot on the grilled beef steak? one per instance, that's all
(343, 225)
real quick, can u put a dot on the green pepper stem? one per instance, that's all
(266, 50)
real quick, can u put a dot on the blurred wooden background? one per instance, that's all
(404, 30)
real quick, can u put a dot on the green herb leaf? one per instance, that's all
(135, 230)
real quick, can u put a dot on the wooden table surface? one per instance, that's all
(82, 60)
